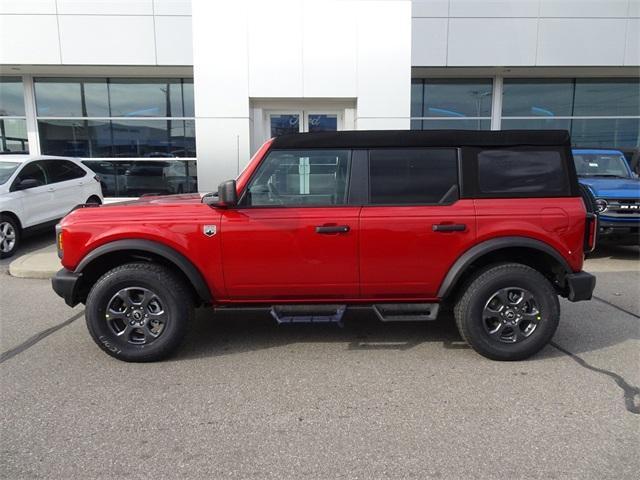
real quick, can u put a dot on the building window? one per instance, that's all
(13, 124)
(122, 118)
(597, 112)
(451, 103)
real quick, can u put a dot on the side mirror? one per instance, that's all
(26, 184)
(227, 194)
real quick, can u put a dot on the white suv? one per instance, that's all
(36, 191)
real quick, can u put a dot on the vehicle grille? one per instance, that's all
(623, 208)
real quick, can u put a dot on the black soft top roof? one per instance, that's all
(423, 138)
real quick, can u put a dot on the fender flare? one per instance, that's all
(477, 251)
(176, 258)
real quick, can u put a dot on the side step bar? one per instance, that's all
(406, 312)
(308, 313)
(386, 312)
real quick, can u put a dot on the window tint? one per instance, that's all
(508, 171)
(62, 171)
(413, 176)
(34, 170)
(309, 177)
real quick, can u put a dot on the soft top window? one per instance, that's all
(522, 172)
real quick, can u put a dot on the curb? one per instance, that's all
(43, 264)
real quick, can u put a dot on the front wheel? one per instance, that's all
(9, 236)
(508, 312)
(139, 312)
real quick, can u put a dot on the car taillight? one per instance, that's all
(590, 232)
(96, 178)
(59, 245)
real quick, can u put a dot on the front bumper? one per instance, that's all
(65, 284)
(617, 231)
(580, 286)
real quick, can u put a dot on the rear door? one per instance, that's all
(414, 226)
(294, 234)
(67, 181)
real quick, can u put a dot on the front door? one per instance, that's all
(414, 226)
(293, 235)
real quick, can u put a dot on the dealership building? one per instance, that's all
(181, 92)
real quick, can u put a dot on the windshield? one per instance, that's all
(601, 165)
(6, 170)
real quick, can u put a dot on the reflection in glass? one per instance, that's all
(445, 124)
(536, 124)
(135, 178)
(145, 97)
(284, 124)
(71, 97)
(11, 97)
(454, 98)
(615, 132)
(13, 135)
(118, 138)
(537, 97)
(610, 97)
(323, 122)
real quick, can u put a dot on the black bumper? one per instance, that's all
(580, 286)
(622, 233)
(65, 284)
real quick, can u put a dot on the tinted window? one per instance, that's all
(413, 176)
(11, 97)
(526, 172)
(34, 170)
(309, 177)
(62, 171)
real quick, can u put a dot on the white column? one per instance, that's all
(220, 68)
(30, 112)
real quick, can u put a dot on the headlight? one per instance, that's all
(601, 205)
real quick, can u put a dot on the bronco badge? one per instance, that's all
(209, 230)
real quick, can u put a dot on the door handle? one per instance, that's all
(51, 189)
(449, 227)
(327, 229)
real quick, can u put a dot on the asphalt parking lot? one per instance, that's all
(247, 399)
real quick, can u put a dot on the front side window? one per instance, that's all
(35, 171)
(413, 176)
(601, 165)
(300, 178)
(510, 172)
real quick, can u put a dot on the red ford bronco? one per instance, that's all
(492, 224)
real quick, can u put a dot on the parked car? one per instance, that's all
(616, 190)
(36, 191)
(402, 222)
(158, 177)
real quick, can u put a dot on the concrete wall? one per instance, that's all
(462, 33)
(95, 32)
(246, 50)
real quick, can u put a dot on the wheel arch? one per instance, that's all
(15, 217)
(102, 259)
(528, 251)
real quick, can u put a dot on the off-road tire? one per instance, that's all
(479, 289)
(175, 297)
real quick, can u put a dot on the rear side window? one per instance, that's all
(63, 170)
(512, 172)
(413, 176)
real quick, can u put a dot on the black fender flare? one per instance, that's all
(176, 258)
(477, 251)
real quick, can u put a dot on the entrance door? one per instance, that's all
(283, 122)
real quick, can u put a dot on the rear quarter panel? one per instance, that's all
(558, 222)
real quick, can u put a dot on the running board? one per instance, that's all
(308, 313)
(406, 312)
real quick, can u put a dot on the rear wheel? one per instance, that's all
(139, 312)
(508, 312)
(9, 236)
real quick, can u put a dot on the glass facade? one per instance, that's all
(13, 124)
(451, 103)
(597, 112)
